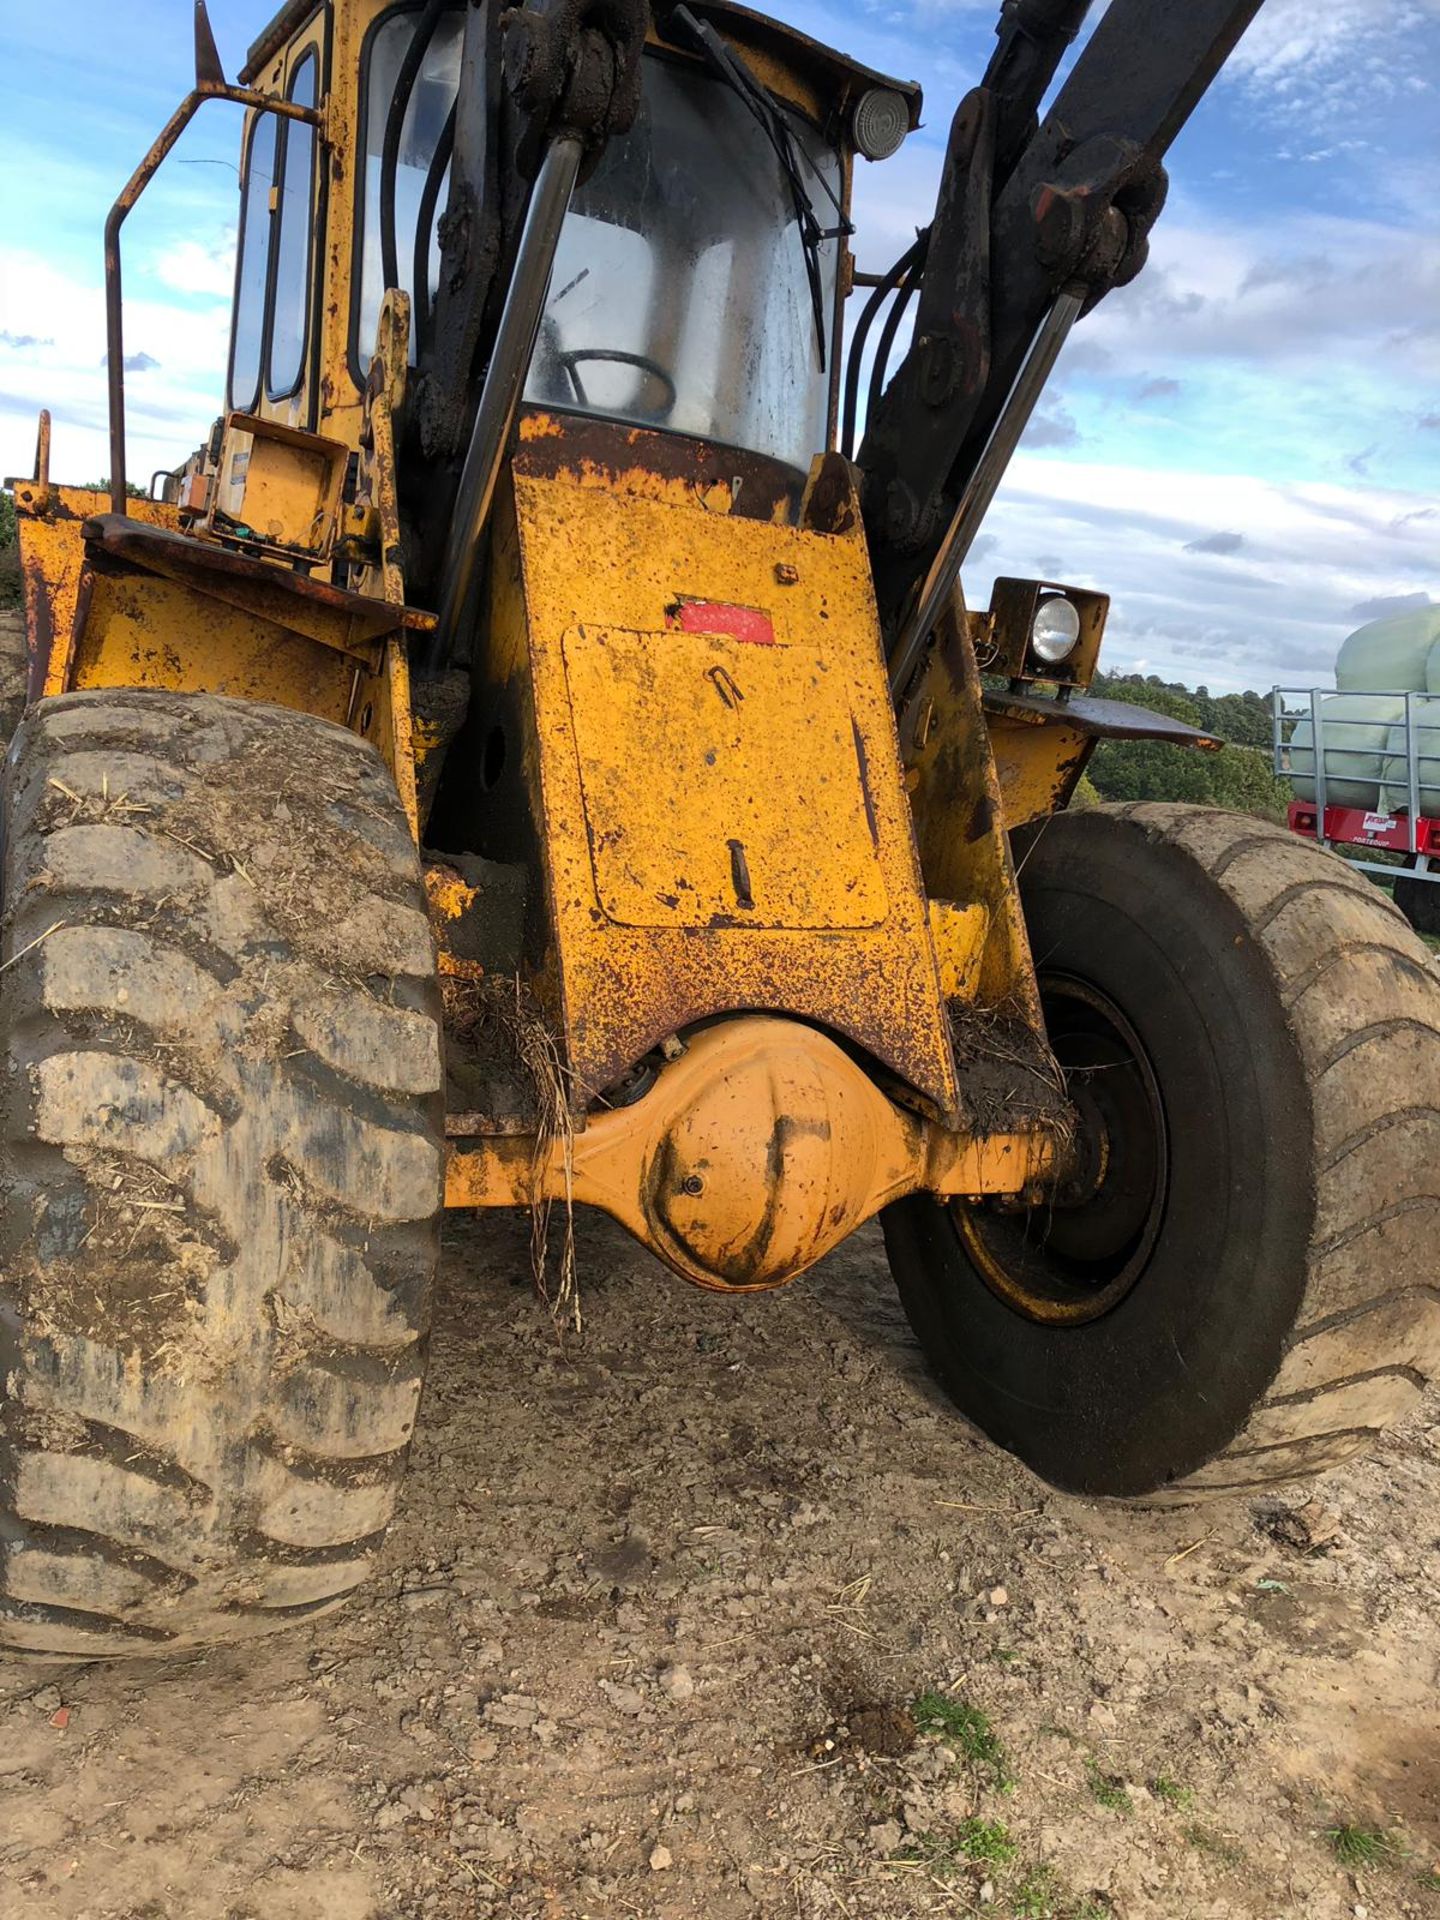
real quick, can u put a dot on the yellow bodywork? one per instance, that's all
(724, 818)
(738, 862)
(679, 1170)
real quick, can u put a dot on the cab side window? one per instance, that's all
(406, 165)
(294, 220)
(271, 327)
(252, 273)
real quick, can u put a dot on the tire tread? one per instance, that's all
(221, 1453)
(1352, 969)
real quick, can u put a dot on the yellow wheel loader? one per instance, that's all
(537, 753)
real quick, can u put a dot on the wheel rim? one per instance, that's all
(1065, 1264)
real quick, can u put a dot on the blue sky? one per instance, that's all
(1243, 448)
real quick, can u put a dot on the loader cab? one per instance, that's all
(686, 294)
(700, 281)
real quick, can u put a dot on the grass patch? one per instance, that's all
(1042, 1896)
(968, 1730)
(985, 1841)
(1206, 1840)
(1361, 1847)
(975, 1842)
(1106, 1790)
(1037, 1897)
(1172, 1793)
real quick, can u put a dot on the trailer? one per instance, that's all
(1324, 745)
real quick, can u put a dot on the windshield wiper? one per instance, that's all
(788, 151)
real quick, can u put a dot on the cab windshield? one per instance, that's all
(682, 296)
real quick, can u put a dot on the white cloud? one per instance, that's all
(192, 267)
(1305, 288)
(1301, 50)
(170, 406)
(1273, 609)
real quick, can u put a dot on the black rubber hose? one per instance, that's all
(881, 369)
(394, 127)
(429, 200)
(887, 286)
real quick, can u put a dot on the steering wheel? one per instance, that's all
(612, 356)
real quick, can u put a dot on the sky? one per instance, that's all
(1243, 448)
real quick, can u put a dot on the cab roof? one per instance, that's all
(832, 75)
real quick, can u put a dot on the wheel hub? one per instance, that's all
(1072, 1258)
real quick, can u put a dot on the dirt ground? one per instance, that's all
(653, 1625)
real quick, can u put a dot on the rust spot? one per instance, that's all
(830, 505)
(555, 444)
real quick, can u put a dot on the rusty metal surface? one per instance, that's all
(278, 489)
(1009, 626)
(52, 550)
(384, 714)
(597, 555)
(1038, 763)
(657, 466)
(362, 618)
(209, 86)
(701, 755)
(263, 48)
(42, 452)
(757, 1151)
(958, 802)
(139, 629)
(1098, 719)
(159, 609)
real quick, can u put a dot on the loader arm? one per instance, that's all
(1026, 214)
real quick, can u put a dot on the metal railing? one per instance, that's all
(1324, 711)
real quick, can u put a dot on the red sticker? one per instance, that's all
(714, 616)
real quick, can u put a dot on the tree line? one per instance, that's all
(1238, 777)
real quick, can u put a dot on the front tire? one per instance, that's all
(1251, 1294)
(221, 1137)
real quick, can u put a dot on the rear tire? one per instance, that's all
(221, 1139)
(1278, 1306)
(1419, 901)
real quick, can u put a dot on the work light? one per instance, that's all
(1056, 630)
(882, 120)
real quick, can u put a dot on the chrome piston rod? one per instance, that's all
(976, 500)
(505, 383)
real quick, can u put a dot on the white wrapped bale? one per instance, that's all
(1390, 655)
(1395, 782)
(1358, 748)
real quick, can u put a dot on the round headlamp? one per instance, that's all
(1055, 632)
(882, 120)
